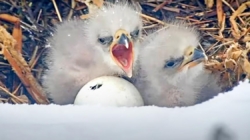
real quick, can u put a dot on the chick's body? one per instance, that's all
(81, 51)
(161, 81)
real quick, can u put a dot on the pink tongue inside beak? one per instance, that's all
(123, 55)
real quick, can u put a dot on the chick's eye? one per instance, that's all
(173, 62)
(170, 63)
(105, 40)
(135, 33)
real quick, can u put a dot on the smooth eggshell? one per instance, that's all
(109, 91)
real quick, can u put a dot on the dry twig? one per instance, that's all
(20, 66)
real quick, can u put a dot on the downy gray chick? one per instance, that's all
(171, 68)
(105, 44)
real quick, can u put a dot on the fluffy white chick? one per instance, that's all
(171, 69)
(103, 45)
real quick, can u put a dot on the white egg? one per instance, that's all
(109, 91)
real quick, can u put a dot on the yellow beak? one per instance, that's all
(192, 57)
(122, 51)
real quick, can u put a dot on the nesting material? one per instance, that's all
(233, 65)
(109, 91)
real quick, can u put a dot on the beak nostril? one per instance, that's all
(190, 53)
(117, 37)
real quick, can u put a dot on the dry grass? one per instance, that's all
(224, 24)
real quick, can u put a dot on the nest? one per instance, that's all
(25, 26)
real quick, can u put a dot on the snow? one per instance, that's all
(226, 117)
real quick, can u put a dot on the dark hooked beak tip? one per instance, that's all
(123, 40)
(198, 55)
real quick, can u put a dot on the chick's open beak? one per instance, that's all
(192, 58)
(122, 51)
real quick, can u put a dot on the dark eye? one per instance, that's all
(173, 62)
(105, 40)
(169, 64)
(135, 33)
